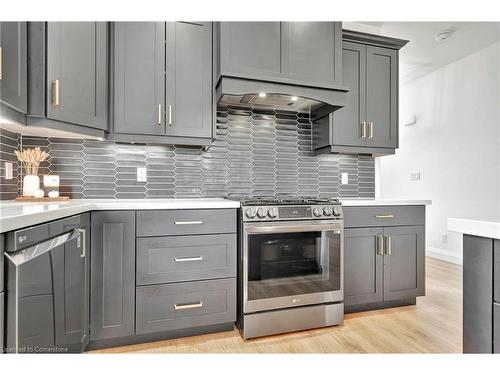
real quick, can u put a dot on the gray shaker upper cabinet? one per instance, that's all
(13, 67)
(189, 79)
(303, 53)
(68, 77)
(77, 65)
(162, 82)
(368, 124)
(139, 78)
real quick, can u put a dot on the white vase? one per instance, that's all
(30, 184)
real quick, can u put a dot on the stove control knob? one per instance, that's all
(261, 213)
(272, 213)
(336, 211)
(316, 212)
(327, 211)
(250, 212)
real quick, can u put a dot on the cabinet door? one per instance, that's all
(382, 96)
(363, 266)
(312, 52)
(13, 65)
(112, 295)
(189, 79)
(496, 270)
(347, 121)
(139, 78)
(404, 262)
(251, 49)
(496, 328)
(2, 321)
(68, 264)
(77, 79)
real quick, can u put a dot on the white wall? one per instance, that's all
(455, 145)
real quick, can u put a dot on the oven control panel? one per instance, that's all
(304, 212)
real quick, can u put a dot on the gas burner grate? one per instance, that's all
(286, 200)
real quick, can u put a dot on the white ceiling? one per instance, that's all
(423, 54)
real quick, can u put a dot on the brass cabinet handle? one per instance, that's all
(363, 129)
(1, 63)
(83, 234)
(185, 306)
(188, 259)
(386, 216)
(55, 92)
(370, 124)
(380, 244)
(169, 115)
(159, 115)
(388, 249)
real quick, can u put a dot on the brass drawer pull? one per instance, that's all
(387, 216)
(188, 259)
(186, 306)
(169, 115)
(188, 222)
(159, 115)
(370, 124)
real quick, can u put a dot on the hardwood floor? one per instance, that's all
(434, 325)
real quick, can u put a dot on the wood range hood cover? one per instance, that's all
(280, 96)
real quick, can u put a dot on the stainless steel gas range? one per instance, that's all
(291, 262)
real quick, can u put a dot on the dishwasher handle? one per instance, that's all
(32, 252)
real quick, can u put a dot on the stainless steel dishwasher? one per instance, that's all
(47, 287)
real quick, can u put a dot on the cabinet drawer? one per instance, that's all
(496, 328)
(365, 216)
(2, 322)
(185, 305)
(185, 258)
(180, 222)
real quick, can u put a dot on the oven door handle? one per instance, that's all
(309, 227)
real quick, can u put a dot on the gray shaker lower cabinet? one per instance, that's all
(404, 269)
(496, 328)
(2, 321)
(162, 308)
(363, 266)
(112, 296)
(477, 294)
(496, 270)
(384, 256)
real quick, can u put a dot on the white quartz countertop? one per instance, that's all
(384, 202)
(481, 228)
(15, 215)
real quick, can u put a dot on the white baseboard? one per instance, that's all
(446, 255)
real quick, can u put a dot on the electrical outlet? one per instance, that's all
(142, 174)
(8, 171)
(344, 178)
(415, 176)
(444, 238)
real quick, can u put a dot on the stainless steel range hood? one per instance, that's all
(280, 96)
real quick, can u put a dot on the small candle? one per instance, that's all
(38, 193)
(53, 194)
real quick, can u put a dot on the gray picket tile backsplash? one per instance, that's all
(255, 153)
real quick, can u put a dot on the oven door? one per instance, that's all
(287, 264)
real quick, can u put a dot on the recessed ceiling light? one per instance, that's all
(262, 94)
(294, 98)
(443, 36)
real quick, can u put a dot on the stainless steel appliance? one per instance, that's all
(291, 256)
(47, 287)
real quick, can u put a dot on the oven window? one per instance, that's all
(287, 264)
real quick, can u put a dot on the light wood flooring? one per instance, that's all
(434, 325)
